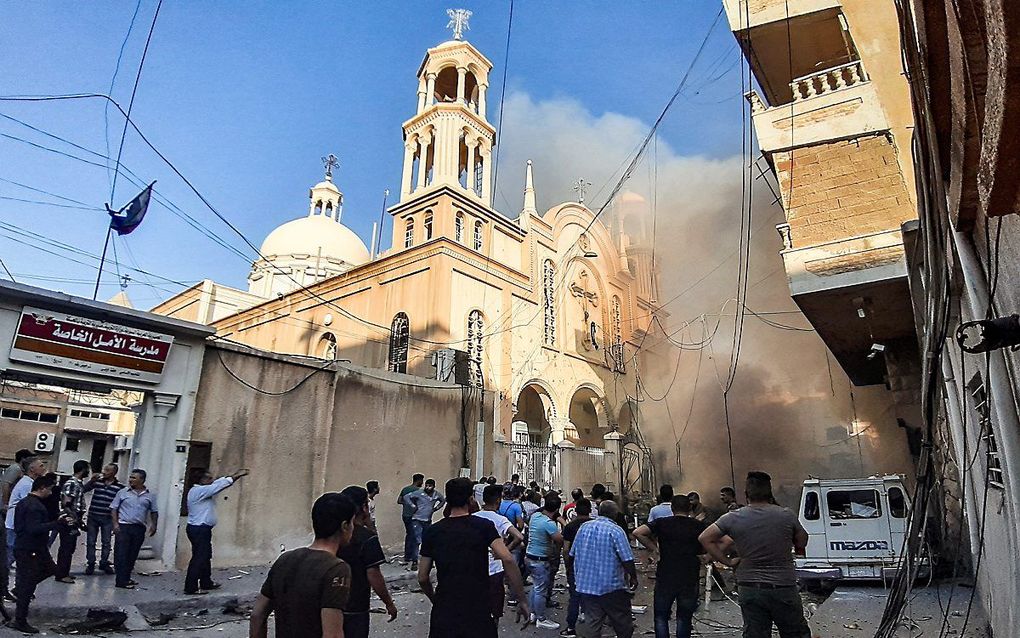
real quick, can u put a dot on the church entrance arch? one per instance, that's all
(534, 415)
(588, 416)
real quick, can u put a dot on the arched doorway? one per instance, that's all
(588, 416)
(532, 418)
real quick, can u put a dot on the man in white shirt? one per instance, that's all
(492, 497)
(33, 467)
(201, 520)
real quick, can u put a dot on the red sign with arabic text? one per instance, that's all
(59, 340)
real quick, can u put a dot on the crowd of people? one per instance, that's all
(38, 510)
(496, 538)
(492, 540)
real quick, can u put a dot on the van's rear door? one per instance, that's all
(856, 525)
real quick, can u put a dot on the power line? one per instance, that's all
(502, 94)
(7, 270)
(113, 80)
(157, 196)
(131, 104)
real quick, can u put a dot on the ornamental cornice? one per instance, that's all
(445, 109)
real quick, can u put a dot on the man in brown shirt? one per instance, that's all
(307, 588)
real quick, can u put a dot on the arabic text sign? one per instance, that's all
(64, 341)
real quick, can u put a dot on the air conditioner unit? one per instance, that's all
(452, 366)
(44, 442)
(123, 442)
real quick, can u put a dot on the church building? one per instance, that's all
(545, 310)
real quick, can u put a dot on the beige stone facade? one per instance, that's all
(544, 310)
(832, 117)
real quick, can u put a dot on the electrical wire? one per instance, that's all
(131, 104)
(113, 81)
(7, 270)
(131, 176)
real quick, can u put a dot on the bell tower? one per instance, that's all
(449, 141)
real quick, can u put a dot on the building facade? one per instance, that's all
(963, 63)
(543, 310)
(66, 425)
(872, 115)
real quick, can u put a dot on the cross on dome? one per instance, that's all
(458, 22)
(329, 162)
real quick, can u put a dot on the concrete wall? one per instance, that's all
(343, 425)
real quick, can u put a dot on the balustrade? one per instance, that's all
(827, 81)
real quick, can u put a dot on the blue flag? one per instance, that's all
(128, 218)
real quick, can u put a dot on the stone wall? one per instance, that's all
(842, 189)
(318, 427)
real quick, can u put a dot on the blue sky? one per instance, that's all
(245, 97)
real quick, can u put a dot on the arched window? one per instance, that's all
(474, 349)
(479, 173)
(399, 337)
(409, 234)
(428, 225)
(548, 301)
(478, 236)
(329, 209)
(617, 347)
(458, 227)
(327, 346)
(463, 170)
(318, 207)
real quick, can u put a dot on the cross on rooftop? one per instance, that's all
(329, 162)
(458, 22)
(581, 186)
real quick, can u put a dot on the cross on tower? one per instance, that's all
(581, 187)
(458, 22)
(329, 162)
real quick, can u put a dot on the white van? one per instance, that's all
(855, 527)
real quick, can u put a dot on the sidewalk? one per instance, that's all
(157, 593)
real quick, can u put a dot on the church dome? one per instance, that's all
(306, 236)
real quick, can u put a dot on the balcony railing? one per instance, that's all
(834, 103)
(828, 81)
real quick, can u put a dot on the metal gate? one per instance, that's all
(539, 463)
(637, 470)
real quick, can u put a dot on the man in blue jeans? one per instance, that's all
(582, 514)
(425, 502)
(407, 513)
(544, 542)
(675, 539)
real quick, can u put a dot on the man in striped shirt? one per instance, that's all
(99, 524)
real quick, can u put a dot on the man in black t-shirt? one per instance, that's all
(364, 555)
(582, 514)
(675, 539)
(459, 546)
(308, 587)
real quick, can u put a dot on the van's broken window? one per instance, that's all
(811, 506)
(853, 504)
(897, 503)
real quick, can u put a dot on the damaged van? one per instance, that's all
(855, 528)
